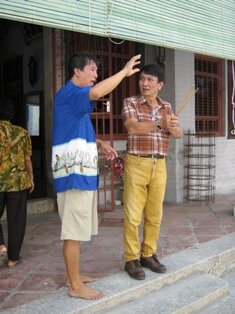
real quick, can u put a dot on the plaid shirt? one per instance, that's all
(153, 142)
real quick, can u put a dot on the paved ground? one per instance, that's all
(42, 269)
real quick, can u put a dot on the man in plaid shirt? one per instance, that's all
(150, 122)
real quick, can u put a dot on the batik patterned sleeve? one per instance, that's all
(28, 146)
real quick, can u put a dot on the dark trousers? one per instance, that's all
(16, 206)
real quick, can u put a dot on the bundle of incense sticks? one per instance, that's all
(192, 91)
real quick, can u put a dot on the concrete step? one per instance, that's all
(185, 296)
(191, 267)
(227, 304)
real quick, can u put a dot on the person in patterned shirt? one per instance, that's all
(16, 177)
(75, 151)
(150, 122)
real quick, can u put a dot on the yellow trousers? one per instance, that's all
(144, 190)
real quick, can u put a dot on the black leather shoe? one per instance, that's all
(134, 270)
(153, 264)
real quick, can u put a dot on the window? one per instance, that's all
(208, 99)
(107, 119)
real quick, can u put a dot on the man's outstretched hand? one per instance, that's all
(130, 66)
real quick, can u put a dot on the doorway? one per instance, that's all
(21, 72)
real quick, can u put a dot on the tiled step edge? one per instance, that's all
(185, 296)
(213, 257)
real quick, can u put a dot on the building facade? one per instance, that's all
(193, 40)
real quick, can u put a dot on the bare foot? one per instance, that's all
(87, 279)
(3, 249)
(84, 279)
(12, 263)
(85, 292)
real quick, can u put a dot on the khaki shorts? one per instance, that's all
(78, 213)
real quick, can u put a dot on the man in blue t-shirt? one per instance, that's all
(75, 160)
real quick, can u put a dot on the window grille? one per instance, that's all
(208, 101)
(107, 117)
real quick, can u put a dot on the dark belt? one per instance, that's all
(157, 156)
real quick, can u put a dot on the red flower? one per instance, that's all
(118, 168)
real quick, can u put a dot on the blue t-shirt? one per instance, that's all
(74, 150)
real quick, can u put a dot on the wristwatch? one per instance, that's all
(157, 123)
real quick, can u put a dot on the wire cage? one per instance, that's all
(199, 157)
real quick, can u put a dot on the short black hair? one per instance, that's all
(155, 70)
(7, 109)
(80, 60)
